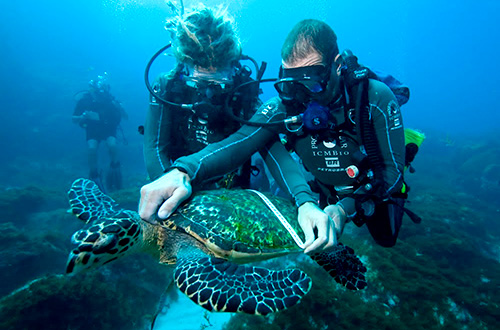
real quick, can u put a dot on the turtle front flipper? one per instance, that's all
(221, 286)
(109, 233)
(88, 202)
(344, 266)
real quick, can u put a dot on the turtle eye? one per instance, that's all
(105, 243)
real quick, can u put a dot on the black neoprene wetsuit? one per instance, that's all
(171, 132)
(326, 160)
(109, 111)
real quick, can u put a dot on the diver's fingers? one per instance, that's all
(149, 203)
(166, 193)
(322, 237)
(309, 236)
(178, 196)
(315, 245)
(332, 236)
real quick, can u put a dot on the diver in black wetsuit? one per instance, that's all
(208, 52)
(99, 113)
(358, 175)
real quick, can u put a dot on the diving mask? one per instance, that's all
(221, 80)
(304, 89)
(302, 84)
(212, 89)
(101, 83)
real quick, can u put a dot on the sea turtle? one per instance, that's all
(208, 239)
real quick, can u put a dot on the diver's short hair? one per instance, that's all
(310, 35)
(206, 38)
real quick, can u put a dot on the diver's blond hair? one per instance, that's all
(205, 37)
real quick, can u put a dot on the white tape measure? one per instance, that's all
(280, 217)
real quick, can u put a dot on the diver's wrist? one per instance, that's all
(179, 171)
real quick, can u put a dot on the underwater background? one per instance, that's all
(442, 274)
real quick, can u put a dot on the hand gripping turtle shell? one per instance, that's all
(208, 239)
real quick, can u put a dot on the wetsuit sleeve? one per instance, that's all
(287, 173)
(224, 156)
(157, 132)
(81, 105)
(78, 109)
(388, 123)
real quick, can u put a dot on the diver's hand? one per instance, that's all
(312, 217)
(91, 115)
(165, 193)
(337, 214)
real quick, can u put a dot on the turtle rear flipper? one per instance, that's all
(344, 266)
(221, 286)
(89, 203)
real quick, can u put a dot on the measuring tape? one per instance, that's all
(280, 217)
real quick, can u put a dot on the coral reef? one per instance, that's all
(16, 204)
(93, 300)
(24, 257)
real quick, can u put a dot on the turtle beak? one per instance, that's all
(70, 265)
(78, 261)
(105, 243)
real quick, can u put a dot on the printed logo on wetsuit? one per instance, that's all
(332, 162)
(268, 109)
(395, 120)
(330, 144)
(326, 153)
(342, 142)
(200, 130)
(314, 143)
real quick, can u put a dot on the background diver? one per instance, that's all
(99, 113)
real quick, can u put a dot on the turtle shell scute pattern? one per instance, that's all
(237, 220)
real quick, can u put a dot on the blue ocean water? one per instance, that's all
(446, 52)
(51, 49)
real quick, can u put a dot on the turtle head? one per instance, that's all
(104, 240)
